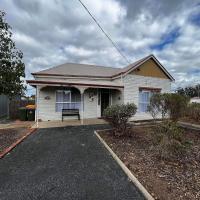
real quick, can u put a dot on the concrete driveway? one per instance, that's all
(63, 163)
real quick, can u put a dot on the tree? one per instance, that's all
(191, 91)
(12, 68)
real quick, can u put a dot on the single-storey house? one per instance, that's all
(92, 88)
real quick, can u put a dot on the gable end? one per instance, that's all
(150, 68)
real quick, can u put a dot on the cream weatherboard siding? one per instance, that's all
(90, 104)
(47, 108)
(131, 89)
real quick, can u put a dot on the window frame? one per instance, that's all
(151, 91)
(70, 97)
(144, 102)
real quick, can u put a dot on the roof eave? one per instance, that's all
(89, 76)
(36, 82)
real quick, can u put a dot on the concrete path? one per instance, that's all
(63, 163)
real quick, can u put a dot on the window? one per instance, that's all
(64, 100)
(144, 99)
(62, 97)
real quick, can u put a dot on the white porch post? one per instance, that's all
(37, 103)
(82, 104)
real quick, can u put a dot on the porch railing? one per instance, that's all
(67, 105)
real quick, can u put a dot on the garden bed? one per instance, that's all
(10, 136)
(179, 179)
(189, 120)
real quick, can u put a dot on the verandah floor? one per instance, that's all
(92, 121)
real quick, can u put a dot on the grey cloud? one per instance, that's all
(155, 8)
(56, 31)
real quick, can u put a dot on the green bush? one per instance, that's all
(169, 140)
(118, 115)
(193, 111)
(175, 105)
(157, 105)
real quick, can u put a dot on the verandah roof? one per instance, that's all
(93, 84)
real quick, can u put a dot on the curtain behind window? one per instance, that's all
(63, 98)
(144, 100)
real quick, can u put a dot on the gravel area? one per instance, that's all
(9, 136)
(64, 163)
(165, 180)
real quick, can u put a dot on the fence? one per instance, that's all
(14, 106)
(3, 106)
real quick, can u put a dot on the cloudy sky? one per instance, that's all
(57, 31)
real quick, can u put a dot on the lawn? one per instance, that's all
(178, 179)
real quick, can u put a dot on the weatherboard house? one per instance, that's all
(90, 88)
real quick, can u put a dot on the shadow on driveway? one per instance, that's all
(63, 163)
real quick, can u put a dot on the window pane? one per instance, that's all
(66, 100)
(59, 96)
(144, 99)
(75, 96)
(59, 107)
(66, 95)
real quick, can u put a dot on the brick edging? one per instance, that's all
(13, 145)
(134, 180)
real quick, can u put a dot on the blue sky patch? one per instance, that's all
(166, 39)
(194, 71)
(195, 19)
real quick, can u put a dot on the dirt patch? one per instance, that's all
(9, 136)
(163, 179)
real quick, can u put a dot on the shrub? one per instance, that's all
(193, 111)
(169, 140)
(172, 104)
(118, 115)
(176, 105)
(157, 105)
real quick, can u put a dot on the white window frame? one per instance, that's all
(70, 97)
(144, 102)
(66, 102)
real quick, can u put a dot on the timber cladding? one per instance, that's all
(150, 68)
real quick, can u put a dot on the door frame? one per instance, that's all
(109, 99)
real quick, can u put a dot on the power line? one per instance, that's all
(109, 38)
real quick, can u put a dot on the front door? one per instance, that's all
(105, 99)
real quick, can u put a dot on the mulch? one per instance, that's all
(10, 136)
(179, 179)
(189, 120)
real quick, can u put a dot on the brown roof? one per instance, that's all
(85, 70)
(74, 69)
